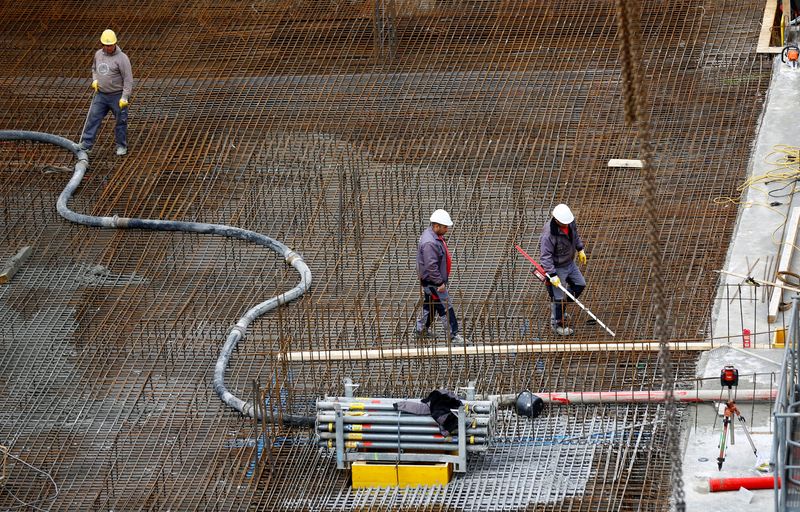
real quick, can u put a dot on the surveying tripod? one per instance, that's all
(729, 377)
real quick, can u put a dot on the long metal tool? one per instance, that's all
(757, 282)
(545, 278)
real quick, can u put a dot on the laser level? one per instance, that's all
(729, 377)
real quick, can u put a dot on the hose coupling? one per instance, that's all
(238, 329)
(292, 257)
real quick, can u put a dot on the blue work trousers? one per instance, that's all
(438, 302)
(572, 280)
(101, 104)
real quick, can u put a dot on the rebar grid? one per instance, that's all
(587, 457)
(338, 134)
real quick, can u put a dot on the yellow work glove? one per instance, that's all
(123, 103)
(582, 257)
(555, 281)
(95, 86)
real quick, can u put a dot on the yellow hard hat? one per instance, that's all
(108, 37)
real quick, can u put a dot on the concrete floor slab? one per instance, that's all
(755, 244)
(763, 212)
(705, 428)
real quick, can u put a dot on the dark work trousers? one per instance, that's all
(440, 303)
(101, 105)
(572, 280)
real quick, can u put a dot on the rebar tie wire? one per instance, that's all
(637, 115)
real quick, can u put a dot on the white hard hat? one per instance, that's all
(563, 214)
(441, 217)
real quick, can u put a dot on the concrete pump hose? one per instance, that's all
(237, 333)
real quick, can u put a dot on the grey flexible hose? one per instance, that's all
(238, 331)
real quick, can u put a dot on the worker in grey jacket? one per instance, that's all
(112, 81)
(559, 245)
(433, 269)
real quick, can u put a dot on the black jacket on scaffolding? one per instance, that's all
(440, 402)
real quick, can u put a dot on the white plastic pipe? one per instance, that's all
(655, 396)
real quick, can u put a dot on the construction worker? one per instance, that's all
(112, 81)
(433, 268)
(559, 244)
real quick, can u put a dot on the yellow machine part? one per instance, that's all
(780, 337)
(423, 475)
(371, 474)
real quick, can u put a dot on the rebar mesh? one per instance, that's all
(337, 127)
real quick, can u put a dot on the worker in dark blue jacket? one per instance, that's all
(559, 245)
(433, 269)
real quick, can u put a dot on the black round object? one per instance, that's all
(528, 404)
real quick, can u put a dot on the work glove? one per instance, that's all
(555, 281)
(95, 86)
(582, 257)
(123, 103)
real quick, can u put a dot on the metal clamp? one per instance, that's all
(349, 387)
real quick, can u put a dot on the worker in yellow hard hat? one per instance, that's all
(112, 81)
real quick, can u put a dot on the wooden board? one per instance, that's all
(770, 9)
(14, 264)
(480, 350)
(785, 261)
(621, 162)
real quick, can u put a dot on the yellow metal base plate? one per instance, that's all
(371, 474)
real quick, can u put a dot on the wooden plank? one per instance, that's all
(481, 350)
(14, 264)
(748, 280)
(3, 464)
(786, 250)
(763, 46)
(621, 162)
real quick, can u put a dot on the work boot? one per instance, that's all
(83, 147)
(122, 150)
(565, 317)
(563, 331)
(458, 339)
(421, 334)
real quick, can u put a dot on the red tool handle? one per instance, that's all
(538, 271)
